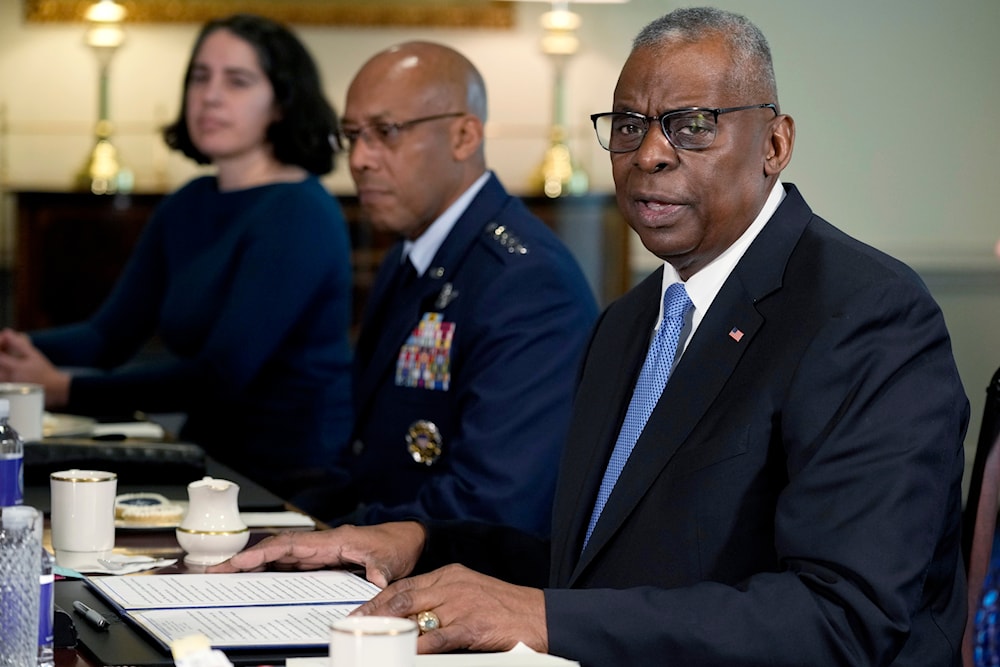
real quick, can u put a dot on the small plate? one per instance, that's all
(61, 426)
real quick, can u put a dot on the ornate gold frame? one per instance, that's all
(441, 13)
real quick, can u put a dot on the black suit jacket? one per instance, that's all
(796, 494)
(795, 497)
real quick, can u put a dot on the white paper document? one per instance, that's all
(246, 627)
(287, 519)
(147, 430)
(242, 610)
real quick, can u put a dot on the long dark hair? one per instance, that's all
(307, 130)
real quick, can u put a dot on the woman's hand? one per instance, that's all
(20, 361)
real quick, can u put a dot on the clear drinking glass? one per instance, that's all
(20, 544)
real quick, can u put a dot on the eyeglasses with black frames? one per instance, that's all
(387, 134)
(691, 129)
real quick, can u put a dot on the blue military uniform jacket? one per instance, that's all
(465, 375)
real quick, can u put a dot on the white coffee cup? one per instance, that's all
(83, 515)
(373, 641)
(27, 407)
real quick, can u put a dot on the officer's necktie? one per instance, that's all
(406, 274)
(652, 379)
(392, 297)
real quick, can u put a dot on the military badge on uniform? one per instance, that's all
(423, 441)
(447, 294)
(424, 361)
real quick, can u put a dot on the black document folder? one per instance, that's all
(120, 644)
(135, 460)
(124, 645)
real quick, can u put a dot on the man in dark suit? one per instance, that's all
(477, 319)
(794, 497)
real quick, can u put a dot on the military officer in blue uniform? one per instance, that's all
(468, 351)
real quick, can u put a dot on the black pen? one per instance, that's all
(91, 616)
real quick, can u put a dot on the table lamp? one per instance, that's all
(103, 173)
(559, 174)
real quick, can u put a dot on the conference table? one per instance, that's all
(158, 542)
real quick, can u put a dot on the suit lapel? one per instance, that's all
(379, 311)
(707, 364)
(394, 327)
(602, 399)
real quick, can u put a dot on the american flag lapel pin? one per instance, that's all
(736, 334)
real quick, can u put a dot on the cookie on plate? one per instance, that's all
(147, 508)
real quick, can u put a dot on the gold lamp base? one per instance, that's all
(559, 175)
(103, 173)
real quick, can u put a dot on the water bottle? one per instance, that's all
(12, 493)
(11, 460)
(20, 544)
(46, 613)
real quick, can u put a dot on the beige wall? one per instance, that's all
(896, 104)
(48, 87)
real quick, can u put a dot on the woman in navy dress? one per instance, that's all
(243, 275)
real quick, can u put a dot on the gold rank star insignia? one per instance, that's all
(423, 441)
(500, 234)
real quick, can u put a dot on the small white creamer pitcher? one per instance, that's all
(212, 529)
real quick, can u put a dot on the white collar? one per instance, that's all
(704, 285)
(421, 251)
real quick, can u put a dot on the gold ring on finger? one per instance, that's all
(427, 621)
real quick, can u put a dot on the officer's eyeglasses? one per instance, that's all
(387, 134)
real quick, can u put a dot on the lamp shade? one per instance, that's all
(105, 36)
(105, 11)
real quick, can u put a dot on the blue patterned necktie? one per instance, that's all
(652, 379)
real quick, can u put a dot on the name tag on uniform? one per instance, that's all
(425, 359)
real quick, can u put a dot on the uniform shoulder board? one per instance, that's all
(500, 235)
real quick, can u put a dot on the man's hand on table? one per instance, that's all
(387, 551)
(476, 612)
